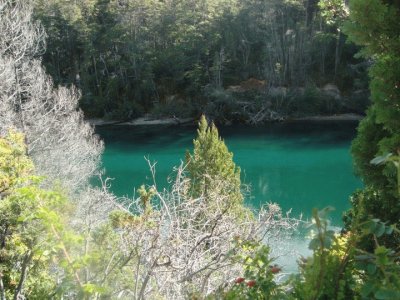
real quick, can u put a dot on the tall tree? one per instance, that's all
(335, 13)
(374, 24)
(211, 168)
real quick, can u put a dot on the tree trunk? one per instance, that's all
(310, 11)
(337, 52)
(2, 291)
(96, 76)
(24, 272)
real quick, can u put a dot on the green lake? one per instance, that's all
(299, 165)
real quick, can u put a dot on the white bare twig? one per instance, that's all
(61, 144)
(187, 245)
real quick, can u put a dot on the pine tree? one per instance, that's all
(211, 167)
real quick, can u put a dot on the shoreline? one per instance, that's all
(336, 117)
(148, 121)
(142, 121)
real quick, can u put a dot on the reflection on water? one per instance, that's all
(263, 185)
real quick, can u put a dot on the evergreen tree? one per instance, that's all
(374, 24)
(211, 167)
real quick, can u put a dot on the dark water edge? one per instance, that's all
(299, 164)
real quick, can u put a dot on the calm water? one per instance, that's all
(299, 165)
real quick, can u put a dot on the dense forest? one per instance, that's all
(230, 59)
(62, 238)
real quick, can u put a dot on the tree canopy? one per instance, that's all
(211, 164)
(374, 25)
(180, 57)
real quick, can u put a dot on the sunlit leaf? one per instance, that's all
(381, 159)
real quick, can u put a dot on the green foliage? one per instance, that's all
(211, 167)
(14, 164)
(174, 108)
(145, 198)
(379, 132)
(380, 269)
(258, 281)
(365, 147)
(29, 216)
(32, 226)
(373, 17)
(129, 57)
(328, 274)
(221, 105)
(339, 269)
(391, 159)
(334, 11)
(311, 102)
(324, 237)
(104, 261)
(381, 272)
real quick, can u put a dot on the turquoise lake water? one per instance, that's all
(299, 165)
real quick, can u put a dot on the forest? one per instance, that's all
(62, 62)
(231, 59)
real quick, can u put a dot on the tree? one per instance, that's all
(335, 12)
(374, 25)
(211, 167)
(61, 144)
(14, 164)
(33, 228)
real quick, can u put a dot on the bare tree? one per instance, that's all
(61, 144)
(184, 245)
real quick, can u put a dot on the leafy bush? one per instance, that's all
(328, 274)
(33, 230)
(339, 269)
(258, 281)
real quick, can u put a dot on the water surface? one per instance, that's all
(299, 165)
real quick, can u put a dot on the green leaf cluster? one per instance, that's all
(15, 166)
(258, 281)
(329, 273)
(345, 271)
(374, 25)
(32, 225)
